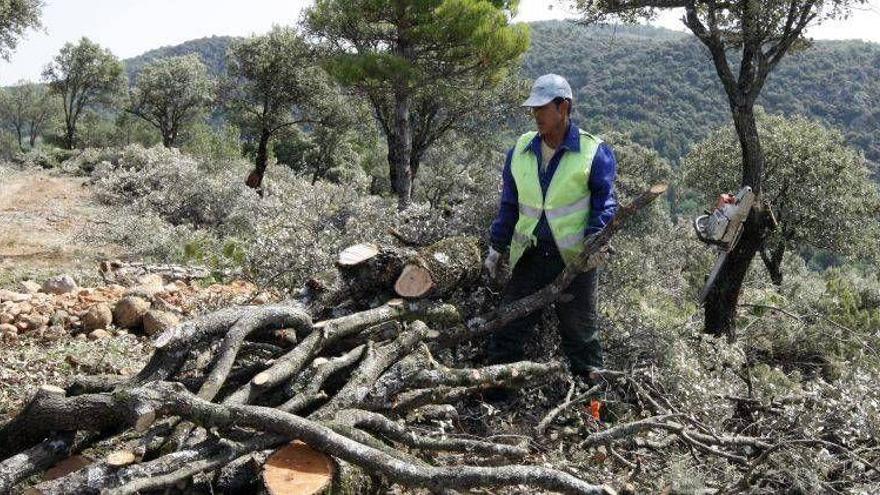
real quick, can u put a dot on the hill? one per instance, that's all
(660, 85)
(211, 50)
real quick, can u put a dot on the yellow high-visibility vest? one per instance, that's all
(567, 204)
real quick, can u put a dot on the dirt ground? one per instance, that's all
(40, 216)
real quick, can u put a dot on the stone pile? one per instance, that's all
(59, 307)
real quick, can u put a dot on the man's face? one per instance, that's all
(550, 116)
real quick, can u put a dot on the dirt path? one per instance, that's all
(40, 217)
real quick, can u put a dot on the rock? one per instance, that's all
(98, 316)
(129, 312)
(28, 287)
(145, 291)
(7, 328)
(81, 336)
(99, 334)
(35, 322)
(8, 295)
(6, 318)
(150, 280)
(61, 284)
(23, 309)
(156, 321)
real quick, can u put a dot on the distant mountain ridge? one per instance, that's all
(212, 51)
(660, 85)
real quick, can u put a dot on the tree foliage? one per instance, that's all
(819, 188)
(420, 64)
(272, 85)
(17, 16)
(171, 93)
(26, 109)
(84, 75)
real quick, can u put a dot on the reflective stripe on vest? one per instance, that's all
(567, 205)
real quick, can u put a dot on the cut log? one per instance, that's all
(449, 264)
(414, 281)
(120, 458)
(357, 254)
(67, 466)
(297, 469)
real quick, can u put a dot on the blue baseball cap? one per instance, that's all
(546, 88)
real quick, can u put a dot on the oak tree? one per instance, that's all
(84, 75)
(272, 85)
(171, 93)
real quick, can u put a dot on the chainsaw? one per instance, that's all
(722, 228)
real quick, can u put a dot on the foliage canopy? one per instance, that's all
(83, 74)
(171, 93)
(421, 65)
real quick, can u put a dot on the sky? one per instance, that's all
(131, 27)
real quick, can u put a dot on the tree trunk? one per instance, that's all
(20, 138)
(402, 167)
(167, 136)
(70, 136)
(402, 127)
(255, 179)
(721, 303)
(415, 159)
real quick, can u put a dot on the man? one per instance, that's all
(557, 188)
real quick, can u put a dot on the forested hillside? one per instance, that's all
(211, 50)
(661, 86)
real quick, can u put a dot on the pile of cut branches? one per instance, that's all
(222, 397)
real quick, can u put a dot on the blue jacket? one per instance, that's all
(603, 203)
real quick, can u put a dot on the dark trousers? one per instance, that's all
(576, 311)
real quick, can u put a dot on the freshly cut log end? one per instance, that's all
(67, 466)
(414, 281)
(357, 254)
(260, 379)
(120, 458)
(297, 469)
(51, 391)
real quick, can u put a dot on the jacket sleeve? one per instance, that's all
(501, 231)
(603, 200)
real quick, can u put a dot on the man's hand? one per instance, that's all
(492, 263)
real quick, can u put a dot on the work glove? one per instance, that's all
(493, 262)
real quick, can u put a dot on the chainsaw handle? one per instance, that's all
(700, 227)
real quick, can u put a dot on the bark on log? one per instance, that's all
(361, 282)
(449, 264)
(50, 411)
(34, 460)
